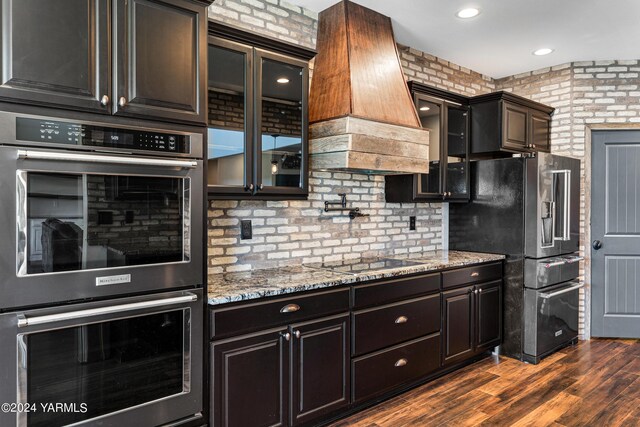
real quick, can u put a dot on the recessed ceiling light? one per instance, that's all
(467, 13)
(542, 51)
(424, 108)
(283, 80)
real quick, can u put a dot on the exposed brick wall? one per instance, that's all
(445, 75)
(291, 232)
(273, 18)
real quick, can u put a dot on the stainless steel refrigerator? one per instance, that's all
(527, 208)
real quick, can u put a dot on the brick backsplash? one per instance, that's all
(294, 232)
(584, 94)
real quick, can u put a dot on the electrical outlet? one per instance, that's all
(245, 229)
(412, 223)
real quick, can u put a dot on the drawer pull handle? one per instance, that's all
(402, 319)
(475, 274)
(290, 308)
(400, 363)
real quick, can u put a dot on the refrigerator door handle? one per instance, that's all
(565, 204)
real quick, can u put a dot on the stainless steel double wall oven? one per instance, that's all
(101, 270)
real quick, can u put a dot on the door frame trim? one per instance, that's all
(589, 128)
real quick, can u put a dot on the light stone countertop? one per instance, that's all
(241, 286)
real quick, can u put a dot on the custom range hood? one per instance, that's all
(361, 114)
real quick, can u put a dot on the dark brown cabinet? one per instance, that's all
(159, 57)
(288, 375)
(488, 314)
(472, 320)
(320, 368)
(258, 121)
(446, 115)
(458, 325)
(60, 53)
(503, 123)
(249, 375)
(56, 53)
(305, 358)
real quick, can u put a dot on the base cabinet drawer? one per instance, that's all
(250, 317)
(391, 324)
(379, 372)
(470, 275)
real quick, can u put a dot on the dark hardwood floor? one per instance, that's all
(596, 383)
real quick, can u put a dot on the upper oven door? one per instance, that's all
(91, 225)
(123, 362)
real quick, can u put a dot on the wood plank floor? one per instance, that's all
(596, 383)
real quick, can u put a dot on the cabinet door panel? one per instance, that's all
(320, 368)
(229, 117)
(457, 153)
(431, 113)
(515, 132)
(489, 315)
(249, 380)
(458, 324)
(541, 131)
(56, 53)
(281, 157)
(160, 58)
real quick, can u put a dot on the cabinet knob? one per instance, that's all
(475, 274)
(261, 186)
(248, 187)
(122, 102)
(290, 308)
(286, 336)
(480, 290)
(104, 101)
(297, 334)
(400, 363)
(402, 319)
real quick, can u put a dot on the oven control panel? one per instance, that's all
(60, 132)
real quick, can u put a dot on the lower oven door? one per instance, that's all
(551, 317)
(131, 361)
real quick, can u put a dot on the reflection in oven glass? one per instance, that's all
(107, 366)
(78, 222)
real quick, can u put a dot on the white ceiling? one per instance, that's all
(500, 41)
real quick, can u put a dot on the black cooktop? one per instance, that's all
(364, 265)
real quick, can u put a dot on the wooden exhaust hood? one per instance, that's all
(361, 114)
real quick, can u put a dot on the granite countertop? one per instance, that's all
(231, 287)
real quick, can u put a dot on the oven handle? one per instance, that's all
(24, 321)
(564, 291)
(92, 158)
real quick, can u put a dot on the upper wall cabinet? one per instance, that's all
(503, 123)
(257, 94)
(446, 115)
(60, 53)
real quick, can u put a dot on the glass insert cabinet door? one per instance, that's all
(430, 113)
(448, 176)
(457, 172)
(281, 124)
(230, 115)
(257, 136)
